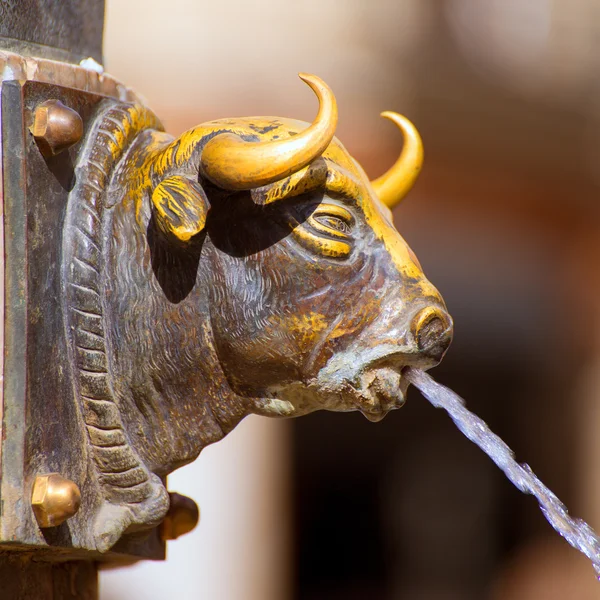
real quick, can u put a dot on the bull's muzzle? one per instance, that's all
(432, 330)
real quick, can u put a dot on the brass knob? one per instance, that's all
(182, 517)
(56, 127)
(54, 499)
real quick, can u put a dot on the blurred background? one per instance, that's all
(505, 219)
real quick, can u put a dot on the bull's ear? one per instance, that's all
(180, 207)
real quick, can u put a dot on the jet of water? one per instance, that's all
(576, 531)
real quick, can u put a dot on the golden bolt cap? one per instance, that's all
(56, 127)
(54, 499)
(182, 517)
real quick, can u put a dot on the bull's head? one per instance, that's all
(317, 302)
(250, 267)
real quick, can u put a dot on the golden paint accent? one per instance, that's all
(378, 217)
(235, 164)
(322, 245)
(54, 499)
(419, 325)
(182, 517)
(393, 185)
(307, 325)
(340, 181)
(180, 207)
(331, 213)
(303, 181)
(56, 127)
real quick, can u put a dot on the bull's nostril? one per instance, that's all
(430, 332)
(431, 329)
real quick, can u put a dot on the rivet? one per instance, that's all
(182, 517)
(56, 127)
(54, 499)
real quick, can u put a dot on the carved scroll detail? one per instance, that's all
(130, 495)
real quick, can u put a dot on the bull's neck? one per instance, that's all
(173, 394)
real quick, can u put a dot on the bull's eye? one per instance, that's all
(327, 230)
(331, 220)
(333, 223)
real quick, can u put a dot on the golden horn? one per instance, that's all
(393, 185)
(234, 164)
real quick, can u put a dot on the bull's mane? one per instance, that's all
(130, 495)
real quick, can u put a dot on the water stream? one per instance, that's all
(576, 531)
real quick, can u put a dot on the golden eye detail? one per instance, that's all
(331, 220)
(329, 224)
(322, 245)
(327, 231)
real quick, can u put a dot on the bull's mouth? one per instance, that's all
(380, 390)
(374, 385)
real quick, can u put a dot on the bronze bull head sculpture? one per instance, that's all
(248, 266)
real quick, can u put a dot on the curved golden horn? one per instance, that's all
(234, 164)
(393, 185)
